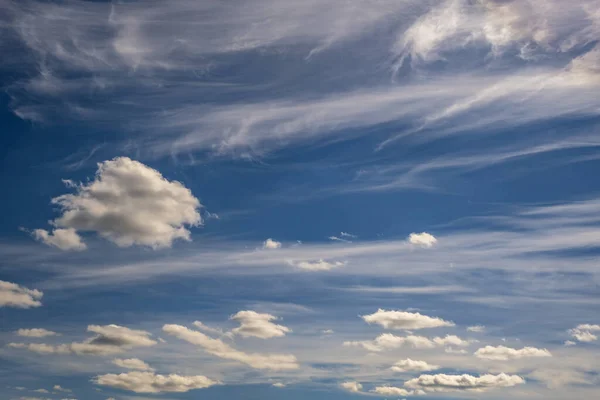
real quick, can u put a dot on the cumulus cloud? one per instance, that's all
(64, 239)
(387, 341)
(59, 388)
(583, 332)
(13, 295)
(318, 265)
(422, 239)
(351, 386)
(413, 365)
(278, 385)
(258, 325)
(127, 203)
(454, 383)
(206, 328)
(220, 349)
(404, 320)
(271, 244)
(35, 333)
(132, 363)
(502, 353)
(109, 339)
(149, 382)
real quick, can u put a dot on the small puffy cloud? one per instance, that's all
(454, 383)
(41, 391)
(349, 235)
(59, 388)
(583, 332)
(387, 341)
(404, 320)
(149, 382)
(271, 244)
(422, 239)
(318, 265)
(258, 325)
(13, 295)
(413, 365)
(109, 339)
(64, 239)
(569, 343)
(218, 348)
(278, 385)
(127, 203)
(476, 328)
(502, 353)
(328, 332)
(396, 391)
(351, 386)
(132, 363)
(35, 333)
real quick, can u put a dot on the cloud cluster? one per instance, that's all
(387, 341)
(35, 332)
(13, 295)
(402, 320)
(413, 365)
(149, 382)
(258, 325)
(465, 382)
(502, 353)
(127, 203)
(218, 348)
(584, 332)
(109, 339)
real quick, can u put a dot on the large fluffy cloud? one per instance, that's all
(404, 320)
(413, 365)
(502, 353)
(387, 341)
(35, 332)
(13, 295)
(149, 382)
(109, 339)
(218, 348)
(127, 203)
(258, 325)
(451, 383)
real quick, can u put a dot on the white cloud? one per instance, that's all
(258, 325)
(476, 328)
(109, 339)
(413, 365)
(64, 239)
(404, 320)
(328, 332)
(387, 341)
(346, 234)
(149, 382)
(61, 389)
(36, 332)
(41, 391)
(318, 265)
(422, 239)
(127, 203)
(278, 385)
(452, 383)
(13, 295)
(132, 363)
(220, 349)
(351, 386)
(583, 332)
(396, 391)
(569, 343)
(271, 244)
(502, 353)
(206, 328)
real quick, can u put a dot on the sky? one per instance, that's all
(284, 199)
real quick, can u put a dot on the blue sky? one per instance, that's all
(275, 199)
